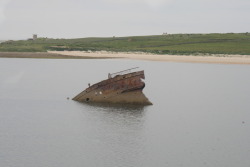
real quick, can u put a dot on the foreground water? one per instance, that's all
(200, 116)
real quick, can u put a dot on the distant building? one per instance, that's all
(34, 36)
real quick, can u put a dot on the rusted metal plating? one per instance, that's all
(125, 88)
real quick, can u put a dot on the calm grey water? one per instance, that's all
(200, 116)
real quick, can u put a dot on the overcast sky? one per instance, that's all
(19, 19)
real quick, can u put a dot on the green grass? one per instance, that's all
(231, 43)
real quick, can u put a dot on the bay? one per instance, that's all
(199, 117)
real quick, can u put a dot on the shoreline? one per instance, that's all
(214, 59)
(42, 55)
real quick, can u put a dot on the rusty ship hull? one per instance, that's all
(125, 89)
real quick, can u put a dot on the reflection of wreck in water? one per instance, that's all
(121, 87)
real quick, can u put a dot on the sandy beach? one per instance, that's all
(217, 59)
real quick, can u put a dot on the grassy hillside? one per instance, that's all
(230, 43)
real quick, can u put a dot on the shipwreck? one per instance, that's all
(124, 87)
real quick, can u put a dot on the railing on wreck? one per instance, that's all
(122, 72)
